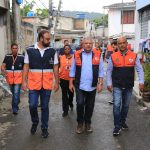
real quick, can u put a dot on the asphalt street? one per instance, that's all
(15, 130)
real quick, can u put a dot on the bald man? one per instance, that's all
(87, 70)
(120, 81)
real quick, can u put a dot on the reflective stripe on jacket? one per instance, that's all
(123, 69)
(40, 69)
(14, 71)
(65, 65)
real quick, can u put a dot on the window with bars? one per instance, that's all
(127, 17)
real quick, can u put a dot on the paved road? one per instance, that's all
(15, 130)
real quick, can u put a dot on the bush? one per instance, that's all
(146, 67)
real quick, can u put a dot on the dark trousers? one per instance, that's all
(15, 89)
(85, 105)
(33, 104)
(67, 95)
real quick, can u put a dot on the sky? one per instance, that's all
(80, 5)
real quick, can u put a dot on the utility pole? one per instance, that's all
(50, 15)
(122, 18)
(57, 17)
(50, 24)
(16, 22)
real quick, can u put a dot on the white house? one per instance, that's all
(121, 19)
(142, 20)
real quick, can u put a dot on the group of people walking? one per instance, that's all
(81, 72)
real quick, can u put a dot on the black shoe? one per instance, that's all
(116, 131)
(125, 126)
(15, 113)
(71, 107)
(45, 133)
(64, 114)
(33, 129)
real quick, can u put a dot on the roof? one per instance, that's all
(121, 5)
(128, 35)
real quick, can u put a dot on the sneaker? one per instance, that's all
(125, 126)
(33, 129)
(79, 128)
(110, 102)
(116, 131)
(45, 133)
(64, 114)
(88, 128)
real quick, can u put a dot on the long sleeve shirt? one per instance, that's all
(138, 68)
(86, 71)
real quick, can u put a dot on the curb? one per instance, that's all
(139, 98)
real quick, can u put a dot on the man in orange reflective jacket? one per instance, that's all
(88, 71)
(40, 63)
(120, 81)
(12, 68)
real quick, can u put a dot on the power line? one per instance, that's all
(43, 4)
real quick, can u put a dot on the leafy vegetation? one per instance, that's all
(38, 12)
(146, 67)
(103, 21)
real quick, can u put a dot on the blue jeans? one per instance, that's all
(85, 105)
(33, 104)
(121, 98)
(15, 89)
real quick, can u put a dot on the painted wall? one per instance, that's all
(114, 23)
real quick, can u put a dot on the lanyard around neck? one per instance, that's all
(14, 59)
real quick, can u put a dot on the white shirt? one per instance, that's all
(26, 59)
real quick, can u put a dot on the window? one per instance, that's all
(127, 17)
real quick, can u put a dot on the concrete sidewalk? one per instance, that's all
(139, 98)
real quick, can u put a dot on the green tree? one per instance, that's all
(103, 21)
(26, 8)
(42, 13)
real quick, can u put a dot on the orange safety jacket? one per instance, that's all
(109, 51)
(95, 66)
(40, 73)
(123, 69)
(95, 49)
(14, 68)
(65, 65)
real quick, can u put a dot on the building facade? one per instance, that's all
(4, 28)
(142, 19)
(121, 19)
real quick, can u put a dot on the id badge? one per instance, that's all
(12, 67)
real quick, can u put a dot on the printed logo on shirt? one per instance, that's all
(20, 65)
(131, 60)
(67, 67)
(51, 61)
(117, 60)
(96, 58)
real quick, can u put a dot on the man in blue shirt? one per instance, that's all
(87, 71)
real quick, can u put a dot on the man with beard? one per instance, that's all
(40, 63)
